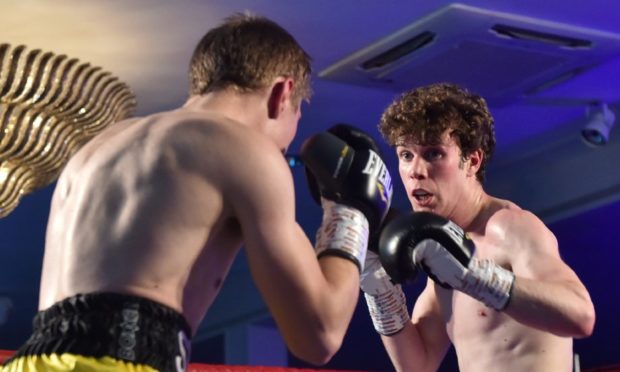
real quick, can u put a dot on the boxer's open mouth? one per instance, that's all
(421, 195)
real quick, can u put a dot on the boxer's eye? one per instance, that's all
(405, 155)
(433, 154)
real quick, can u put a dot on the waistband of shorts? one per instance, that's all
(120, 326)
(104, 304)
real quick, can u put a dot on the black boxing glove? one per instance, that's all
(355, 191)
(355, 137)
(368, 187)
(442, 249)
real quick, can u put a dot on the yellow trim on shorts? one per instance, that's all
(72, 362)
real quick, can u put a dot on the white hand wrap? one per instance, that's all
(483, 280)
(489, 283)
(343, 232)
(386, 301)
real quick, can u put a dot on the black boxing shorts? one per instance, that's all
(105, 332)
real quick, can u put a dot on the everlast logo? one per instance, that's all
(376, 168)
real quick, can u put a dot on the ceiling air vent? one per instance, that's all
(541, 37)
(501, 56)
(399, 51)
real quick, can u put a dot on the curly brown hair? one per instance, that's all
(425, 113)
(246, 52)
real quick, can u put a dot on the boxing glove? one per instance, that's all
(354, 138)
(442, 249)
(355, 190)
(366, 184)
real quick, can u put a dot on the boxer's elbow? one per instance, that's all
(320, 349)
(584, 325)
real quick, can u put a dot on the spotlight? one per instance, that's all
(600, 121)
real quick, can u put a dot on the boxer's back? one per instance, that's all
(135, 211)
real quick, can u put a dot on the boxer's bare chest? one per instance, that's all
(465, 316)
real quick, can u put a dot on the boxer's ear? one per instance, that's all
(474, 162)
(281, 91)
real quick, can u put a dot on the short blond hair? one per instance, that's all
(247, 52)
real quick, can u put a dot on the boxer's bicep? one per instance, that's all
(263, 199)
(534, 251)
(545, 283)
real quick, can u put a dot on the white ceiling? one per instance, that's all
(147, 43)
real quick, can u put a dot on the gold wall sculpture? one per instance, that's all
(50, 105)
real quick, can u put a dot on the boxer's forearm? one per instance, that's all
(422, 344)
(405, 349)
(408, 351)
(315, 330)
(561, 308)
(338, 305)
